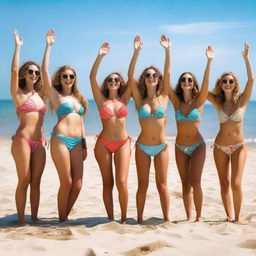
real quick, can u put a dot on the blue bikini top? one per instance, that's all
(193, 115)
(159, 113)
(66, 108)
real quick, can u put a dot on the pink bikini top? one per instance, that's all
(30, 106)
(107, 113)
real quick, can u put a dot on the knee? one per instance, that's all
(66, 184)
(162, 187)
(77, 185)
(142, 187)
(186, 188)
(224, 184)
(23, 183)
(236, 185)
(196, 185)
(108, 186)
(121, 185)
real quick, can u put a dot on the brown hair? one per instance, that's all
(38, 84)
(142, 85)
(121, 90)
(219, 93)
(75, 91)
(179, 90)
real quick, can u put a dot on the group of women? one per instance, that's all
(31, 85)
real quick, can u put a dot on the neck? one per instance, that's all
(228, 97)
(66, 92)
(151, 91)
(113, 95)
(187, 97)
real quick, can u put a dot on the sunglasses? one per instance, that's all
(225, 81)
(111, 79)
(184, 79)
(31, 71)
(68, 76)
(148, 75)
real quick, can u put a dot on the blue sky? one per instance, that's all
(82, 26)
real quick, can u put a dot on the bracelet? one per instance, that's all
(84, 146)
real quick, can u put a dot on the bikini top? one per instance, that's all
(159, 113)
(237, 116)
(107, 113)
(193, 115)
(66, 108)
(30, 106)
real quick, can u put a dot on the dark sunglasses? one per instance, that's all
(68, 76)
(31, 71)
(111, 79)
(225, 81)
(184, 79)
(148, 75)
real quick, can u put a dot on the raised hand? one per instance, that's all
(18, 39)
(138, 44)
(246, 50)
(209, 52)
(165, 41)
(104, 49)
(50, 37)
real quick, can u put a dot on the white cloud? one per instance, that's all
(203, 27)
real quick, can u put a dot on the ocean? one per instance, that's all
(209, 123)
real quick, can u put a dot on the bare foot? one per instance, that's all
(34, 219)
(22, 223)
(241, 222)
(139, 220)
(228, 219)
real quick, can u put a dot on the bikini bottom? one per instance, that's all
(70, 142)
(151, 150)
(188, 149)
(113, 146)
(229, 150)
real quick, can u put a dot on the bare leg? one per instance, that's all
(61, 158)
(237, 164)
(37, 164)
(21, 154)
(196, 168)
(104, 159)
(161, 162)
(222, 164)
(77, 167)
(122, 160)
(183, 164)
(143, 162)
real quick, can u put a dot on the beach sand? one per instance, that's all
(89, 233)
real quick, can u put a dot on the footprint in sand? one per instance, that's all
(248, 244)
(90, 252)
(148, 248)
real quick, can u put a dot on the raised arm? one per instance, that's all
(246, 95)
(132, 82)
(165, 42)
(204, 90)
(98, 96)
(51, 92)
(15, 66)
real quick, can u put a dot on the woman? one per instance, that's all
(113, 142)
(150, 94)
(68, 147)
(229, 144)
(28, 143)
(188, 103)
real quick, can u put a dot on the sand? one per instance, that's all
(89, 233)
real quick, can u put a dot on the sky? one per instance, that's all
(82, 26)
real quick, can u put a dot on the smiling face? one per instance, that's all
(228, 83)
(32, 74)
(151, 77)
(113, 82)
(187, 82)
(67, 78)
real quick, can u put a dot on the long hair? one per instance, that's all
(142, 85)
(56, 82)
(121, 90)
(179, 90)
(219, 93)
(38, 87)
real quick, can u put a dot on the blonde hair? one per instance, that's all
(219, 93)
(56, 78)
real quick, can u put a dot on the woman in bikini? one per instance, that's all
(68, 146)
(188, 104)
(28, 143)
(113, 142)
(229, 144)
(150, 94)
